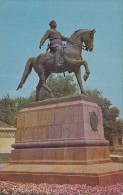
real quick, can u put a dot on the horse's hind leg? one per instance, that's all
(38, 90)
(42, 83)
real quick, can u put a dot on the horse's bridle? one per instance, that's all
(78, 45)
(91, 42)
(84, 47)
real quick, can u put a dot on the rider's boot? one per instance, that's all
(57, 58)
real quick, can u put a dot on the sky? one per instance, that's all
(24, 22)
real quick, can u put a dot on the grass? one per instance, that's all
(5, 158)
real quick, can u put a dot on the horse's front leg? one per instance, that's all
(79, 80)
(87, 71)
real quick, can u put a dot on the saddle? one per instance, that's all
(63, 58)
(52, 53)
(49, 55)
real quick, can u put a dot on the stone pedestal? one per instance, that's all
(66, 132)
(62, 141)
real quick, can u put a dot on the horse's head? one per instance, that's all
(88, 38)
(83, 36)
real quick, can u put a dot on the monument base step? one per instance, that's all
(95, 174)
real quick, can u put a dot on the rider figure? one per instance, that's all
(56, 39)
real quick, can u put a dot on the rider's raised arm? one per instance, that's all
(45, 37)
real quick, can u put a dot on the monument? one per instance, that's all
(61, 140)
(60, 58)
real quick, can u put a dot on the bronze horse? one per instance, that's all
(71, 60)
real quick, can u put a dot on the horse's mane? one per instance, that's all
(78, 31)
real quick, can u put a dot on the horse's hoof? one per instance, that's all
(52, 95)
(19, 86)
(85, 77)
(83, 92)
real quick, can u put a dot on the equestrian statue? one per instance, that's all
(61, 57)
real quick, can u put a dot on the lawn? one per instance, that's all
(4, 158)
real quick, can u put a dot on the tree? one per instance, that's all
(9, 108)
(6, 109)
(60, 86)
(64, 87)
(110, 114)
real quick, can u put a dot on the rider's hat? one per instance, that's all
(53, 21)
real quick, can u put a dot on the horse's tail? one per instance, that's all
(28, 69)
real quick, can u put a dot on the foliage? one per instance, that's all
(9, 108)
(6, 109)
(64, 86)
(11, 188)
(111, 120)
(60, 86)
